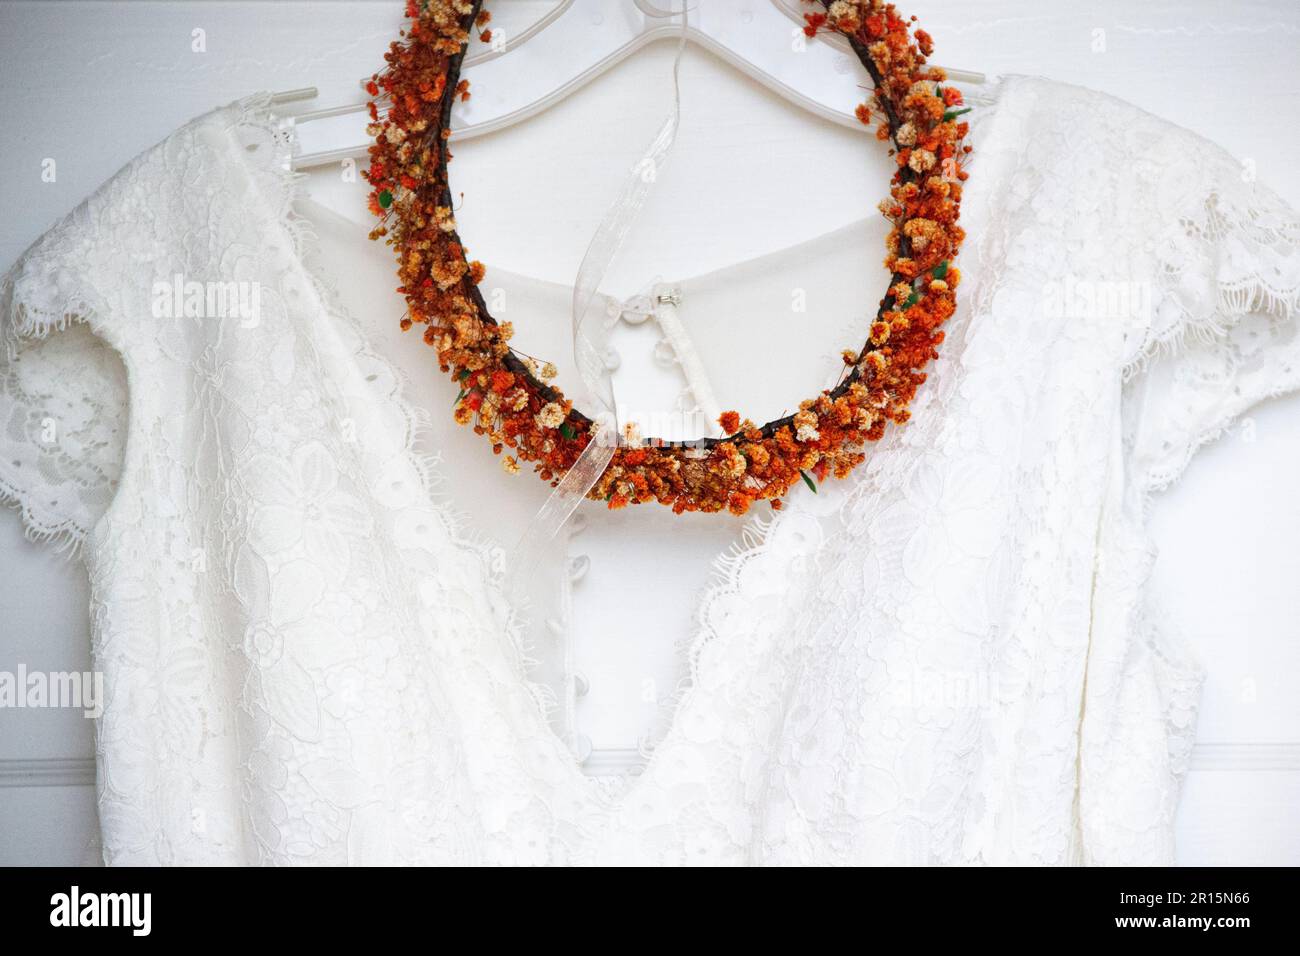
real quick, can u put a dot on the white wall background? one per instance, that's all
(92, 84)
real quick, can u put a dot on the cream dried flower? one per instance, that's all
(805, 425)
(551, 415)
(921, 160)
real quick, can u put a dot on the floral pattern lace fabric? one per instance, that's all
(947, 658)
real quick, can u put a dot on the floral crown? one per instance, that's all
(511, 398)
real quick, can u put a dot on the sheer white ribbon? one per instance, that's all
(528, 586)
(591, 334)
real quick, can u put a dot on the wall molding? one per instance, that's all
(1246, 756)
(47, 772)
(1207, 757)
(613, 762)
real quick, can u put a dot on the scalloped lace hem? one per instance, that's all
(23, 318)
(1234, 303)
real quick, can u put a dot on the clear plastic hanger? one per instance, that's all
(579, 40)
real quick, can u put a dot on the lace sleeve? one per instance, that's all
(1217, 334)
(62, 395)
(1220, 331)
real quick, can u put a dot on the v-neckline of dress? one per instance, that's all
(751, 538)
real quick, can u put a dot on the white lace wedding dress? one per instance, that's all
(946, 658)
